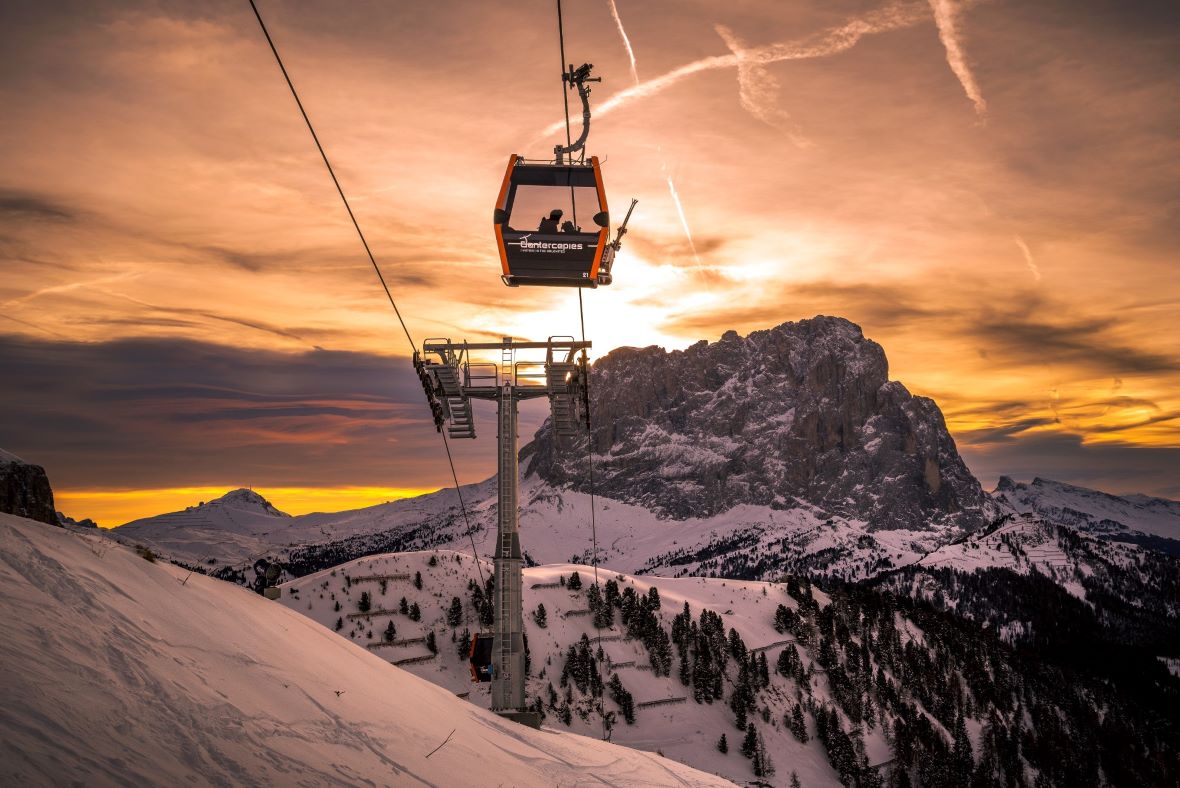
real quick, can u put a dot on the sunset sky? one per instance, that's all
(990, 189)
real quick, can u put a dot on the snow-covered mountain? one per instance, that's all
(1110, 552)
(1124, 518)
(858, 686)
(241, 525)
(788, 450)
(124, 671)
(803, 414)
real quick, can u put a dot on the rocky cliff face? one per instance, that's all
(25, 490)
(795, 415)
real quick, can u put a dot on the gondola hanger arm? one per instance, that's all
(577, 78)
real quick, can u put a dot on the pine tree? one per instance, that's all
(653, 596)
(797, 724)
(465, 644)
(737, 647)
(575, 582)
(415, 612)
(431, 643)
(339, 624)
(722, 745)
(485, 606)
(750, 743)
(610, 593)
(433, 560)
(390, 632)
(783, 618)
(623, 698)
(962, 762)
(795, 781)
(336, 607)
(403, 606)
(366, 602)
(604, 613)
(763, 767)
(541, 616)
(455, 613)
(418, 580)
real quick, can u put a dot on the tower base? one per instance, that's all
(529, 718)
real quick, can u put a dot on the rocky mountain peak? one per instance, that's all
(1005, 484)
(802, 414)
(25, 490)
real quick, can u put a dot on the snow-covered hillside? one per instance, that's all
(1120, 517)
(122, 671)
(241, 526)
(851, 687)
(746, 541)
(676, 726)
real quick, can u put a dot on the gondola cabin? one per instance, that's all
(552, 224)
(480, 657)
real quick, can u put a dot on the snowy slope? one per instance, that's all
(1091, 511)
(745, 541)
(119, 671)
(1027, 544)
(241, 526)
(685, 731)
(905, 685)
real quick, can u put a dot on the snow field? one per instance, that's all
(122, 671)
(686, 731)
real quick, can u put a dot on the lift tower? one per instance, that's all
(452, 380)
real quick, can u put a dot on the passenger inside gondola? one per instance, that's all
(568, 227)
(550, 225)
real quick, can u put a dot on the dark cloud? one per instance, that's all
(1007, 328)
(142, 413)
(1083, 342)
(1003, 433)
(1162, 418)
(1112, 468)
(23, 207)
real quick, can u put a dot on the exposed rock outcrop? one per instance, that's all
(25, 490)
(803, 413)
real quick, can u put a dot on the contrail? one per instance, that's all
(757, 90)
(683, 220)
(946, 18)
(69, 287)
(832, 42)
(1028, 258)
(614, 11)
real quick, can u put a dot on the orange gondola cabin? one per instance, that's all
(552, 224)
